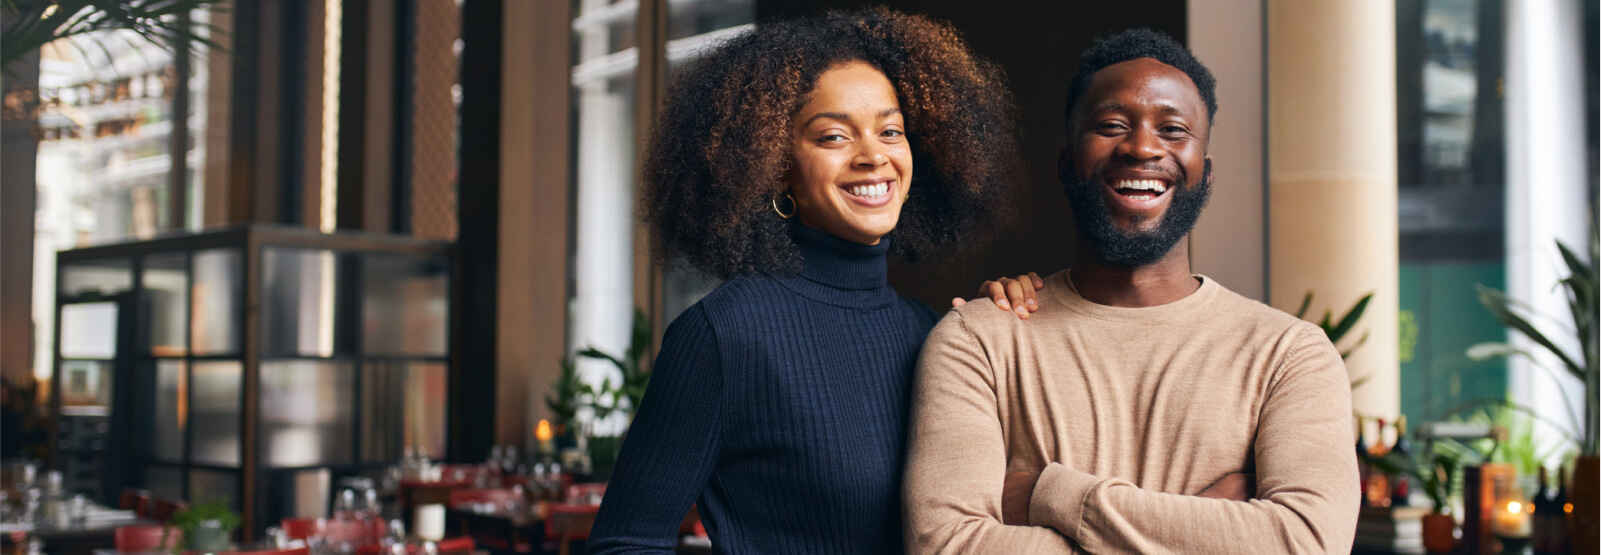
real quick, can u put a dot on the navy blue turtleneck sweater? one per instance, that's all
(778, 405)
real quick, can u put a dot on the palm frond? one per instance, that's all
(35, 23)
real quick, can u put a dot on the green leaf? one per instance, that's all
(1349, 320)
(1494, 349)
(1359, 342)
(1305, 303)
(1499, 306)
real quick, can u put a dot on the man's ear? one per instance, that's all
(1064, 165)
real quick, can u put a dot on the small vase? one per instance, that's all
(1438, 531)
(209, 537)
(1586, 522)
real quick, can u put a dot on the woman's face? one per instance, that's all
(852, 162)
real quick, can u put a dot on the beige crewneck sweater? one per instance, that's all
(1128, 413)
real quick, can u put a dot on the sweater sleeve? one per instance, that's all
(1307, 484)
(671, 448)
(956, 459)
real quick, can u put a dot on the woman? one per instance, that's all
(783, 160)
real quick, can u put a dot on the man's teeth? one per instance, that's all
(870, 191)
(1140, 185)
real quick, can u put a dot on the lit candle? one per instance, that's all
(430, 522)
(546, 446)
(1512, 521)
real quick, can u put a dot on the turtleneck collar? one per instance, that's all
(840, 272)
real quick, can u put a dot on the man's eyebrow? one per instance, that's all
(1109, 107)
(1165, 108)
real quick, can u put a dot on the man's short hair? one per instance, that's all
(1134, 44)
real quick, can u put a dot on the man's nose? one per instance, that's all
(1141, 144)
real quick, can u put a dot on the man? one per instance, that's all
(1137, 386)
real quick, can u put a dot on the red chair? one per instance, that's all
(464, 496)
(161, 510)
(586, 493)
(136, 500)
(302, 528)
(295, 551)
(131, 539)
(353, 532)
(447, 546)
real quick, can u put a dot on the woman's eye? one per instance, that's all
(831, 138)
(893, 133)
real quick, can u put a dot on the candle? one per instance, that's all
(1512, 521)
(546, 446)
(430, 522)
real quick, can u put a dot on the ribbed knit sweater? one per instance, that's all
(1127, 414)
(778, 405)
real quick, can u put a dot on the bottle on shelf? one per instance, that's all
(1401, 483)
(1378, 490)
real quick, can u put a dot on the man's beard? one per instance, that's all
(1133, 249)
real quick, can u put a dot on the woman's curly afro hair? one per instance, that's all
(716, 157)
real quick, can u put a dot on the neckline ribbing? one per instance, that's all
(838, 271)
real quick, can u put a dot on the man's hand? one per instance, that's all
(1238, 486)
(1016, 295)
(1015, 497)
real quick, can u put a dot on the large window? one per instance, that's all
(606, 66)
(1452, 189)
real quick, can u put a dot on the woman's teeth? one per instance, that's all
(870, 191)
(1134, 188)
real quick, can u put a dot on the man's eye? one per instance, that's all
(1174, 129)
(1109, 126)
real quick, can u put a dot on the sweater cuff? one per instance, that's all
(1059, 498)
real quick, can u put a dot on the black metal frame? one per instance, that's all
(135, 368)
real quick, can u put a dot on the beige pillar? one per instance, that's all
(1229, 243)
(1332, 174)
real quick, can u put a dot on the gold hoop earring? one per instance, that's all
(780, 212)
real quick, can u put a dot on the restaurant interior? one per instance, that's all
(363, 276)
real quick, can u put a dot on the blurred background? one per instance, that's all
(306, 239)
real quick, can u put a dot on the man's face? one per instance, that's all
(1136, 170)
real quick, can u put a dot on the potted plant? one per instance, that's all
(1581, 289)
(1439, 526)
(207, 526)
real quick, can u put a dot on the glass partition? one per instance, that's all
(216, 423)
(171, 414)
(89, 330)
(98, 277)
(166, 304)
(85, 387)
(412, 393)
(404, 305)
(307, 412)
(216, 323)
(351, 364)
(299, 290)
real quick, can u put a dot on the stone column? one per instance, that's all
(1332, 175)
(1229, 243)
(1546, 200)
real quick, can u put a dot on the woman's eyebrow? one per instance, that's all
(842, 116)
